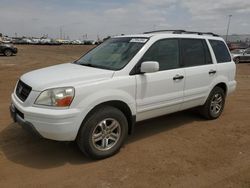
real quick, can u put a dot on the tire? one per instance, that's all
(8, 52)
(103, 133)
(237, 60)
(214, 105)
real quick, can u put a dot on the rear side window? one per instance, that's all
(220, 50)
(195, 52)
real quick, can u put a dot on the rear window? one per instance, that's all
(220, 50)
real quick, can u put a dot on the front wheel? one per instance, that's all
(214, 105)
(103, 133)
(8, 52)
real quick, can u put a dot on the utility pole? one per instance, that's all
(228, 25)
(61, 32)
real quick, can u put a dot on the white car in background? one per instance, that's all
(241, 55)
(97, 99)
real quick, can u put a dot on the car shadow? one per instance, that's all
(2, 55)
(164, 123)
(23, 148)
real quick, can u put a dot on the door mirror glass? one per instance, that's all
(149, 67)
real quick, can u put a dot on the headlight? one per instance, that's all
(58, 97)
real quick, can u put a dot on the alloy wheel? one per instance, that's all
(216, 103)
(106, 134)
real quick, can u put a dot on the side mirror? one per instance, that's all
(149, 67)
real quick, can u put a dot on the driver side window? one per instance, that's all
(165, 52)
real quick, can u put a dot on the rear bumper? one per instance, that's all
(14, 50)
(231, 86)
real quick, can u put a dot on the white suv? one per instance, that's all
(97, 99)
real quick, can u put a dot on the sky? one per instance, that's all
(76, 18)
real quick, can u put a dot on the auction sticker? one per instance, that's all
(139, 40)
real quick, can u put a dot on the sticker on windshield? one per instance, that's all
(139, 40)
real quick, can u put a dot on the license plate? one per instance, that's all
(13, 112)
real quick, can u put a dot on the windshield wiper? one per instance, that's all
(89, 65)
(85, 63)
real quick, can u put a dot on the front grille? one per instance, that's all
(22, 90)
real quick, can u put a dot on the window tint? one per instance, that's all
(165, 52)
(220, 50)
(195, 52)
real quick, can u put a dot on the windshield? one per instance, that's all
(113, 54)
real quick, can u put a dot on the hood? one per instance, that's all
(62, 75)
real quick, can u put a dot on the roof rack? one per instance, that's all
(175, 31)
(182, 32)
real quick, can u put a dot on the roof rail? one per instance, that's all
(201, 33)
(175, 31)
(183, 32)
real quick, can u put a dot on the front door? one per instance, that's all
(161, 92)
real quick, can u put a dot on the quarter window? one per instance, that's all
(220, 50)
(165, 52)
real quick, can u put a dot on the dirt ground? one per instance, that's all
(177, 150)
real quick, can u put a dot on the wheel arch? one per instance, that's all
(7, 48)
(122, 106)
(223, 86)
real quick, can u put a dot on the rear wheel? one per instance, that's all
(214, 105)
(103, 133)
(237, 60)
(8, 52)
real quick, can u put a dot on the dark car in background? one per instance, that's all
(7, 49)
(241, 55)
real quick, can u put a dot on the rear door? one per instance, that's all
(160, 92)
(199, 70)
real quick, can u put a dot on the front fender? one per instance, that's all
(91, 101)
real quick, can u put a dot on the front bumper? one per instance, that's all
(54, 124)
(24, 124)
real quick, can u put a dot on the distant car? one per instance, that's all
(76, 42)
(241, 55)
(237, 45)
(7, 49)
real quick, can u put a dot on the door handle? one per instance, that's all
(178, 77)
(212, 72)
